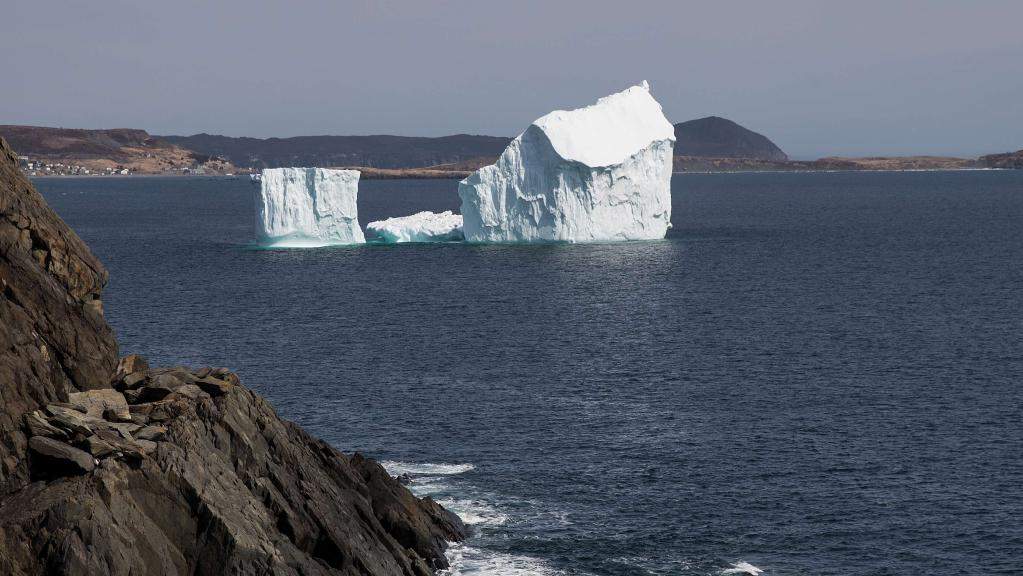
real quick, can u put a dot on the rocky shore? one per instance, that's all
(109, 466)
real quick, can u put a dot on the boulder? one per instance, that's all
(153, 433)
(213, 386)
(129, 365)
(115, 416)
(69, 406)
(190, 391)
(38, 425)
(181, 375)
(159, 388)
(133, 380)
(146, 446)
(97, 402)
(52, 458)
(70, 419)
(124, 429)
(99, 447)
(160, 411)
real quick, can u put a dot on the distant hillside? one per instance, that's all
(706, 137)
(370, 151)
(42, 141)
(714, 137)
(104, 151)
(698, 164)
(1008, 160)
(706, 145)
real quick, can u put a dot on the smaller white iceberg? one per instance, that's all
(421, 227)
(308, 207)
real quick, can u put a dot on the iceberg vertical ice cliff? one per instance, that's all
(307, 207)
(598, 173)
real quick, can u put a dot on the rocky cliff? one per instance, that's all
(1009, 160)
(113, 467)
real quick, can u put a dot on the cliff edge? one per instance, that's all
(109, 466)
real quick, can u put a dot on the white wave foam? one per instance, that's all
(743, 567)
(428, 485)
(397, 468)
(474, 512)
(466, 560)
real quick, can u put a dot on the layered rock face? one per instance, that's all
(420, 227)
(116, 468)
(599, 173)
(53, 339)
(308, 207)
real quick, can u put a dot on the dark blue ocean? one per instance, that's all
(815, 374)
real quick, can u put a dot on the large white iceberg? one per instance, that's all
(308, 207)
(598, 173)
(421, 227)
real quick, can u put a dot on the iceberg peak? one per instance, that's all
(611, 130)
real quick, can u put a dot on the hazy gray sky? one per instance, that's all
(819, 78)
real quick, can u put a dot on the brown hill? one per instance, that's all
(715, 137)
(106, 150)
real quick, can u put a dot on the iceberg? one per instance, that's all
(599, 173)
(308, 207)
(421, 227)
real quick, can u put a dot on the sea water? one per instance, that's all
(813, 374)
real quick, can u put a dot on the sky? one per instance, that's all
(819, 78)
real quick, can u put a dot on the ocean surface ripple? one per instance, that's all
(814, 374)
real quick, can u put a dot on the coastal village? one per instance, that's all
(37, 167)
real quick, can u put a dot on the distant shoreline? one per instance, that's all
(416, 174)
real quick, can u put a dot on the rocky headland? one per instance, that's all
(1009, 160)
(110, 466)
(716, 137)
